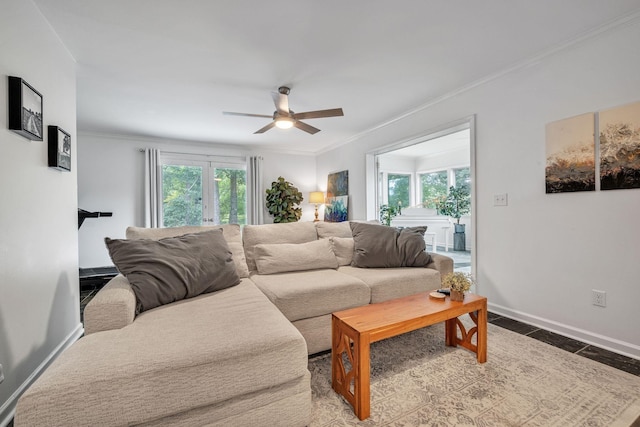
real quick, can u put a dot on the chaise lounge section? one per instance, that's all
(222, 358)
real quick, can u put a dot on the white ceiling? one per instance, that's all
(163, 68)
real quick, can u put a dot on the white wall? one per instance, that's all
(451, 159)
(540, 257)
(111, 179)
(391, 163)
(39, 292)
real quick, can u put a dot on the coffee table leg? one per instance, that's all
(452, 339)
(482, 334)
(358, 355)
(451, 332)
(362, 383)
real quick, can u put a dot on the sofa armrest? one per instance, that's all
(442, 263)
(113, 307)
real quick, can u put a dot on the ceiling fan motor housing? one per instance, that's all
(277, 114)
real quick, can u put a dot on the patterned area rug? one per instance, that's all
(417, 381)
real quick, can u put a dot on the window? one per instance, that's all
(181, 195)
(462, 178)
(434, 186)
(196, 190)
(399, 189)
(229, 196)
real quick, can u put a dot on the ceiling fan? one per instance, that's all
(284, 118)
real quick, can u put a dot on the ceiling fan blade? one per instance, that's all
(281, 100)
(265, 128)
(334, 112)
(305, 127)
(228, 113)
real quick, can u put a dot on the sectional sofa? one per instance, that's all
(233, 357)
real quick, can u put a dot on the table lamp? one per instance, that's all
(317, 198)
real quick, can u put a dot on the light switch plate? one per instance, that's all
(598, 298)
(1, 374)
(500, 199)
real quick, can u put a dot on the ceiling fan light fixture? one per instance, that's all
(284, 118)
(284, 122)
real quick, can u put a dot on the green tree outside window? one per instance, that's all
(181, 195)
(434, 187)
(399, 187)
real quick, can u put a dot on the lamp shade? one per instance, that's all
(316, 197)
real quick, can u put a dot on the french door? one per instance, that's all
(198, 190)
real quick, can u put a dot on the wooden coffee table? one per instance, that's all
(355, 329)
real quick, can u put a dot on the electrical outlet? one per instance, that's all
(1, 374)
(500, 199)
(598, 298)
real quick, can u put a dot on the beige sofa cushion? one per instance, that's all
(390, 283)
(231, 233)
(292, 232)
(304, 294)
(285, 257)
(174, 358)
(333, 229)
(114, 307)
(343, 249)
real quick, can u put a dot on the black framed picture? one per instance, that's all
(59, 149)
(25, 109)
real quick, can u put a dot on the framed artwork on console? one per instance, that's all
(25, 109)
(336, 208)
(59, 149)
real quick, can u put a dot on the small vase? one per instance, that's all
(457, 295)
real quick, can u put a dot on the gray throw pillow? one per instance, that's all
(383, 246)
(174, 268)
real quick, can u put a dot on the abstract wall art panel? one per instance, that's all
(336, 209)
(570, 151)
(338, 184)
(620, 147)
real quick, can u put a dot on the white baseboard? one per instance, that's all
(8, 408)
(608, 343)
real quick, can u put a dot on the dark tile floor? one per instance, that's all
(601, 355)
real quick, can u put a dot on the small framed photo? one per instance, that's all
(59, 149)
(25, 109)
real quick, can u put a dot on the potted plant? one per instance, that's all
(458, 283)
(387, 213)
(282, 199)
(456, 204)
